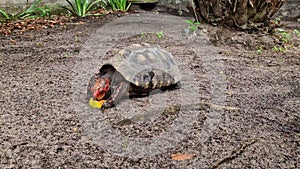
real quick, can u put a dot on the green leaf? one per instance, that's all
(5, 14)
(78, 7)
(29, 11)
(84, 7)
(32, 7)
(92, 4)
(128, 7)
(197, 23)
(73, 11)
(189, 22)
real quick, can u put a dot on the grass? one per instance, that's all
(33, 11)
(120, 5)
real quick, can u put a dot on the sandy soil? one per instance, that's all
(259, 128)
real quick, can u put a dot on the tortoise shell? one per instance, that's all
(140, 62)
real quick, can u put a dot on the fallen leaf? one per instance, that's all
(229, 93)
(181, 157)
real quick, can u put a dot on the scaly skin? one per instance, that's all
(102, 88)
(120, 91)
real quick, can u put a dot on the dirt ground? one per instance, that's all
(40, 127)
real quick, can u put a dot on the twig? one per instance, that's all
(192, 3)
(234, 154)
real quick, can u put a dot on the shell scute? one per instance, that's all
(140, 63)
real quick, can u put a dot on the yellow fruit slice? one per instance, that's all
(96, 104)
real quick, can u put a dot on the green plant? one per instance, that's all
(5, 14)
(180, 12)
(143, 35)
(298, 19)
(297, 32)
(238, 13)
(285, 37)
(77, 39)
(278, 49)
(43, 12)
(160, 34)
(282, 35)
(192, 25)
(81, 8)
(119, 5)
(275, 49)
(32, 12)
(66, 55)
(259, 50)
(277, 21)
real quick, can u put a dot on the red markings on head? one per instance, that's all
(100, 87)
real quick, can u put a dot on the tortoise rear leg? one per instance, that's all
(120, 91)
(161, 79)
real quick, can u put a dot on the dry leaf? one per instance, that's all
(180, 157)
(13, 42)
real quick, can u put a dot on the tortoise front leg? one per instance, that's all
(120, 91)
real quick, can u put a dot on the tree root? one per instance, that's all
(173, 110)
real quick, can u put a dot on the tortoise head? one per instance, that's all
(100, 87)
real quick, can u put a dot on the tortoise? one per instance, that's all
(134, 71)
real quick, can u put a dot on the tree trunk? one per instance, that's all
(244, 14)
